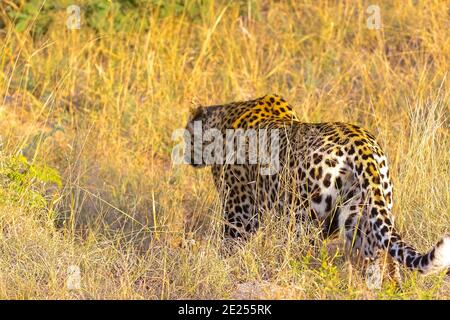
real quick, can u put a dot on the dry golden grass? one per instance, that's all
(137, 226)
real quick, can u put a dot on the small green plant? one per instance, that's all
(28, 12)
(22, 181)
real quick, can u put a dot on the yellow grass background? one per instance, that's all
(100, 108)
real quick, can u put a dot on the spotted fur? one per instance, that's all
(335, 174)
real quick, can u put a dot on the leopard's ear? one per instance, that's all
(196, 112)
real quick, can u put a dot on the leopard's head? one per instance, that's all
(202, 121)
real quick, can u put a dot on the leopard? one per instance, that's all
(333, 174)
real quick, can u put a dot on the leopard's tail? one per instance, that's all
(437, 259)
